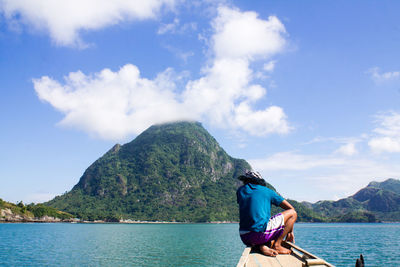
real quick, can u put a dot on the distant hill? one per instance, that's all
(379, 201)
(10, 212)
(390, 184)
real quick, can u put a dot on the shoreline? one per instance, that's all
(166, 222)
(76, 220)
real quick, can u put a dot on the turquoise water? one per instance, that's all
(183, 244)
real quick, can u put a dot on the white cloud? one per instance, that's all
(226, 93)
(185, 56)
(347, 149)
(294, 161)
(315, 177)
(170, 27)
(244, 35)
(114, 105)
(387, 137)
(64, 20)
(269, 66)
(261, 122)
(379, 77)
(175, 27)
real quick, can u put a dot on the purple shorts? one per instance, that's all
(275, 227)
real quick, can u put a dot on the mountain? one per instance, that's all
(390, 184)
(379, 201)
(174, 171)
(170, 172)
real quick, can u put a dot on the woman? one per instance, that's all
(257, 227)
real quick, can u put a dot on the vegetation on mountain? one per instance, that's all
(170, 172)
(379, 201)
(31, 212)
(390, 184)
(355, 216)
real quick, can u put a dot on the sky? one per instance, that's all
(306, 91)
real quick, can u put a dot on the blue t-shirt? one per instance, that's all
(255, 206)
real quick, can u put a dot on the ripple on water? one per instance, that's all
(183, 244)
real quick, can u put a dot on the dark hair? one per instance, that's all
(251, 177)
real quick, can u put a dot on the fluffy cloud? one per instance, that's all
(387, 137)
(114, 105)
(244, 35)
(379, 77)
(347, 149)
(226, 92)
(65, 19)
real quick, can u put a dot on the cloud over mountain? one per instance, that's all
(116, 104)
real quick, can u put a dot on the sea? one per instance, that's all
(65, 244)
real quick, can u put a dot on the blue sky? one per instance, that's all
(308, 92)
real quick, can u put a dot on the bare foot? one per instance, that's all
(268, 251)
(282, 250)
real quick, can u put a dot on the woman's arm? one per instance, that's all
(286, 205)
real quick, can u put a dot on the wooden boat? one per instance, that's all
(299, 257)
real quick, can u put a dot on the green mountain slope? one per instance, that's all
(379, 201)
(390, 184)
(173, 171)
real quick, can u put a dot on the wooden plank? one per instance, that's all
(298, 258)
(244, 257)
(301, 250)
(312, 259)
(258, 260)
(297, 254)
(312, 262)
(289, 260)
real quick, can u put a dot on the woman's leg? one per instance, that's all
(290, 217)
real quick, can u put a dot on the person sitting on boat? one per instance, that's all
(257, 227)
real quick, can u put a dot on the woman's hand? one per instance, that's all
(290, 237)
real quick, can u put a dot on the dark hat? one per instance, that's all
(250, 175)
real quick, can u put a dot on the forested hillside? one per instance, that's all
(171, 172)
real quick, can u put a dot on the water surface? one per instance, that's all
(183, 244)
